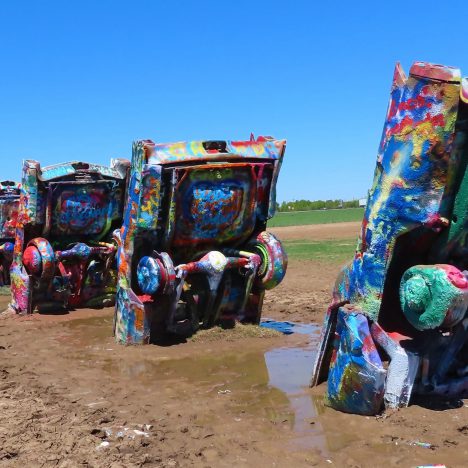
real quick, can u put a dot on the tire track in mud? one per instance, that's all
(41, 427)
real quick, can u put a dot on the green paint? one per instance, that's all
(455, 236)
(370, 306)
(426, 295)
(459, 225)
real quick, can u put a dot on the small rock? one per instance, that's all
(103, 444)
(99, 433)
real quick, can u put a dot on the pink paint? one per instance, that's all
(456, 277)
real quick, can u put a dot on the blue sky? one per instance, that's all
(83, 79)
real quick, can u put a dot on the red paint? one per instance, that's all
(456, 277)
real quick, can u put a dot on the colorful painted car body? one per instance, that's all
(64, 253)
(193, 249)
(9, 201)
(404, 297)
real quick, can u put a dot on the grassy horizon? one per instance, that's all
(300, 218)
(330, 250)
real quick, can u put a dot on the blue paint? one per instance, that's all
(356, 379)
(57, 171)
(213, 207)
(149, 275)
(209, 203)
(408, 185)
(289, 328)
(7, 247)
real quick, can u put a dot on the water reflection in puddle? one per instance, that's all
(289, 370)
(273, 384)
(288, 328)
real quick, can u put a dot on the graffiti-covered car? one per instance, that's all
(193, 249)
(398, 321)
(9, 200)
(64, 253)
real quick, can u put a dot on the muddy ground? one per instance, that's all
(70, 396)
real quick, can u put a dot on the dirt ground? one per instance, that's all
(318, 231)
(70, 396)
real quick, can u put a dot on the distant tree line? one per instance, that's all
(306, 205)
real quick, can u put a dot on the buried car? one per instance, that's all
(9, 201)
(193, 250)
(398, 323)
(64, 254)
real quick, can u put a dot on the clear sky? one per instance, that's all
(83, 79)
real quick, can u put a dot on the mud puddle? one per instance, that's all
(241, 401)
(244, 393)
(268, 381)
(290, 370)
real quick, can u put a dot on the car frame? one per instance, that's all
(193, 249)
(64, 254)
(397, 325)
(9, 203)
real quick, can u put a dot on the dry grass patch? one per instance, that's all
(232, 334)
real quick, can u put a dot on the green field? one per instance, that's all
(298, 218)
(333, 250)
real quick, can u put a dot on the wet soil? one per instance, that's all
(70, 396)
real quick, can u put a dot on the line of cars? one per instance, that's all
(176, 239)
